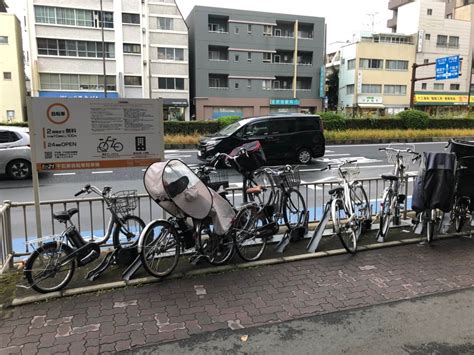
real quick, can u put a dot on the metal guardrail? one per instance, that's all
(17, 220)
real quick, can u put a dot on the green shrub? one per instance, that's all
(414, 119)
(191, 127)
(333, 121)
(227, 120)
(15, 124)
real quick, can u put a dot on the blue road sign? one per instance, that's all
(448, 67)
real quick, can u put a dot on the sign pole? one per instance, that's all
(34, 169)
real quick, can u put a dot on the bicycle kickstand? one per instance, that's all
(99, 270)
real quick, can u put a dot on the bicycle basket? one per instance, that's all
(350, 171)
(124, 201)
(405, 157)
(291, 177)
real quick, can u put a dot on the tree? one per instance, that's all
(333, 88)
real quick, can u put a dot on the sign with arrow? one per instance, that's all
(448, 67)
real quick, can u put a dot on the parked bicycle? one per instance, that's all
(393, 196)
(51, 266)
(348, 208)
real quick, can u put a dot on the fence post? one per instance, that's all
(405, 209)
(7, 235)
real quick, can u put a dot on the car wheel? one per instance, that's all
(304, 156)
(19, 169)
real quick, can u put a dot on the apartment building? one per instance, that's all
(441, 30)
(12, 75)
(374, 74)
(249, 63)
(145, 44)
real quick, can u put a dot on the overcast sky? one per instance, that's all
(343, 17)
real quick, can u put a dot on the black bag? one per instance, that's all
(252, 160)
(434, 186)
(461, 148)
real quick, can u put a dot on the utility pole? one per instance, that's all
(103, 48)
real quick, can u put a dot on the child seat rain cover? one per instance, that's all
(175, 187)
(434, 185)
(254, 159)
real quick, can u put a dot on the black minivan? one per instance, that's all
(284, 138)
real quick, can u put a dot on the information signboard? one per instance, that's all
(73, 134)
(448, 67)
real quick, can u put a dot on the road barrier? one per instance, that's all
(17, 226)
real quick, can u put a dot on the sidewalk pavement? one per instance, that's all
(179, 309)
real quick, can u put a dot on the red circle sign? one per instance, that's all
(57, 113)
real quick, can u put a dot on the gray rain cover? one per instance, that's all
(175, 187)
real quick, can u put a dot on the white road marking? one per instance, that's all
(375, 166)
(379, 144)
(337, 155)
(171, 156)
(103, 172)
(63, 174)
(180, 151)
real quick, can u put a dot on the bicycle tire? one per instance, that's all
(360, 202)
(459, 215)
(245, 239)
(152, 238)
(29, 267)
(127, 235)
(263, 179)
(118, 147)
(294, 205)
(347, 235)
(385, 214)
(430, 227)
(217, 249)
(103, 147)
(459, 222)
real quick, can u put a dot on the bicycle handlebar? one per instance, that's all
(408, 150)
(90, 188)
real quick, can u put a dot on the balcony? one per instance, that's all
(303, 84)
(305, 30)
(282, 83)
(282, 57)
(395, 4)
(219, 81)
(218, 53)
(284, 29)
(305, 58)
(218, 24)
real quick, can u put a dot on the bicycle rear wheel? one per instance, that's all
(128, 233)
(430, 225)
(294, 209)
(265, 192)
(249, 245)
(386, 214)
(159, 248)
(360, 204)
(217, 249)
(45, 269)
(343, 228)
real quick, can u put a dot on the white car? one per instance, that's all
(15, 152)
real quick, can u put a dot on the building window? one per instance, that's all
(350, 89)
(429, 12)
(132, 80)
(351, 64)
(131, 18)
(267, 30)
(236, 85)
(266, 84)
(426, 61)
(395, 89)
(371, 89)
(427, 36)
(171, 83)
(267, 57)
(424, 86)
(218, 53)
(218, 81)
(249, 56)
(249, 83)
(75, 82)
(438, 86)
(3, 39)
(249, 28)
(131, 48)
(11, 117)
(365, 63)
(73, 17)
(453, 42)
(237, 30)
(71, 48)
(454, 87)
(236, 58)
(176, 54)
(396, 65)
(7, 75)
(165, 23)
(442, 41)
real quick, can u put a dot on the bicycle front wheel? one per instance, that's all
(217, 249)
(248, 243)
(159, 248)
(360, 202)
(259, 188)
(294, 209)
(46, 270)
(342, 226)
(127, 234)
(386, 214)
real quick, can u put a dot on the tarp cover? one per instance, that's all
(175, 187)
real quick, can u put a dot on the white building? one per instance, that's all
(146, 51)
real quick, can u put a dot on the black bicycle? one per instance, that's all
(51, 266)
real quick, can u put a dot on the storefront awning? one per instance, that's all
(175, 102)
(371, 106)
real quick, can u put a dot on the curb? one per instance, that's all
(213, 270)
(349, 141)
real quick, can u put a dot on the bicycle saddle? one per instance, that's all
(254, 190)
(390, 177)
(64, 216)
(335, 190)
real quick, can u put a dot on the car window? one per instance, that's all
(8, 137)
(307, 124)
(281, 126)
(257, 129)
